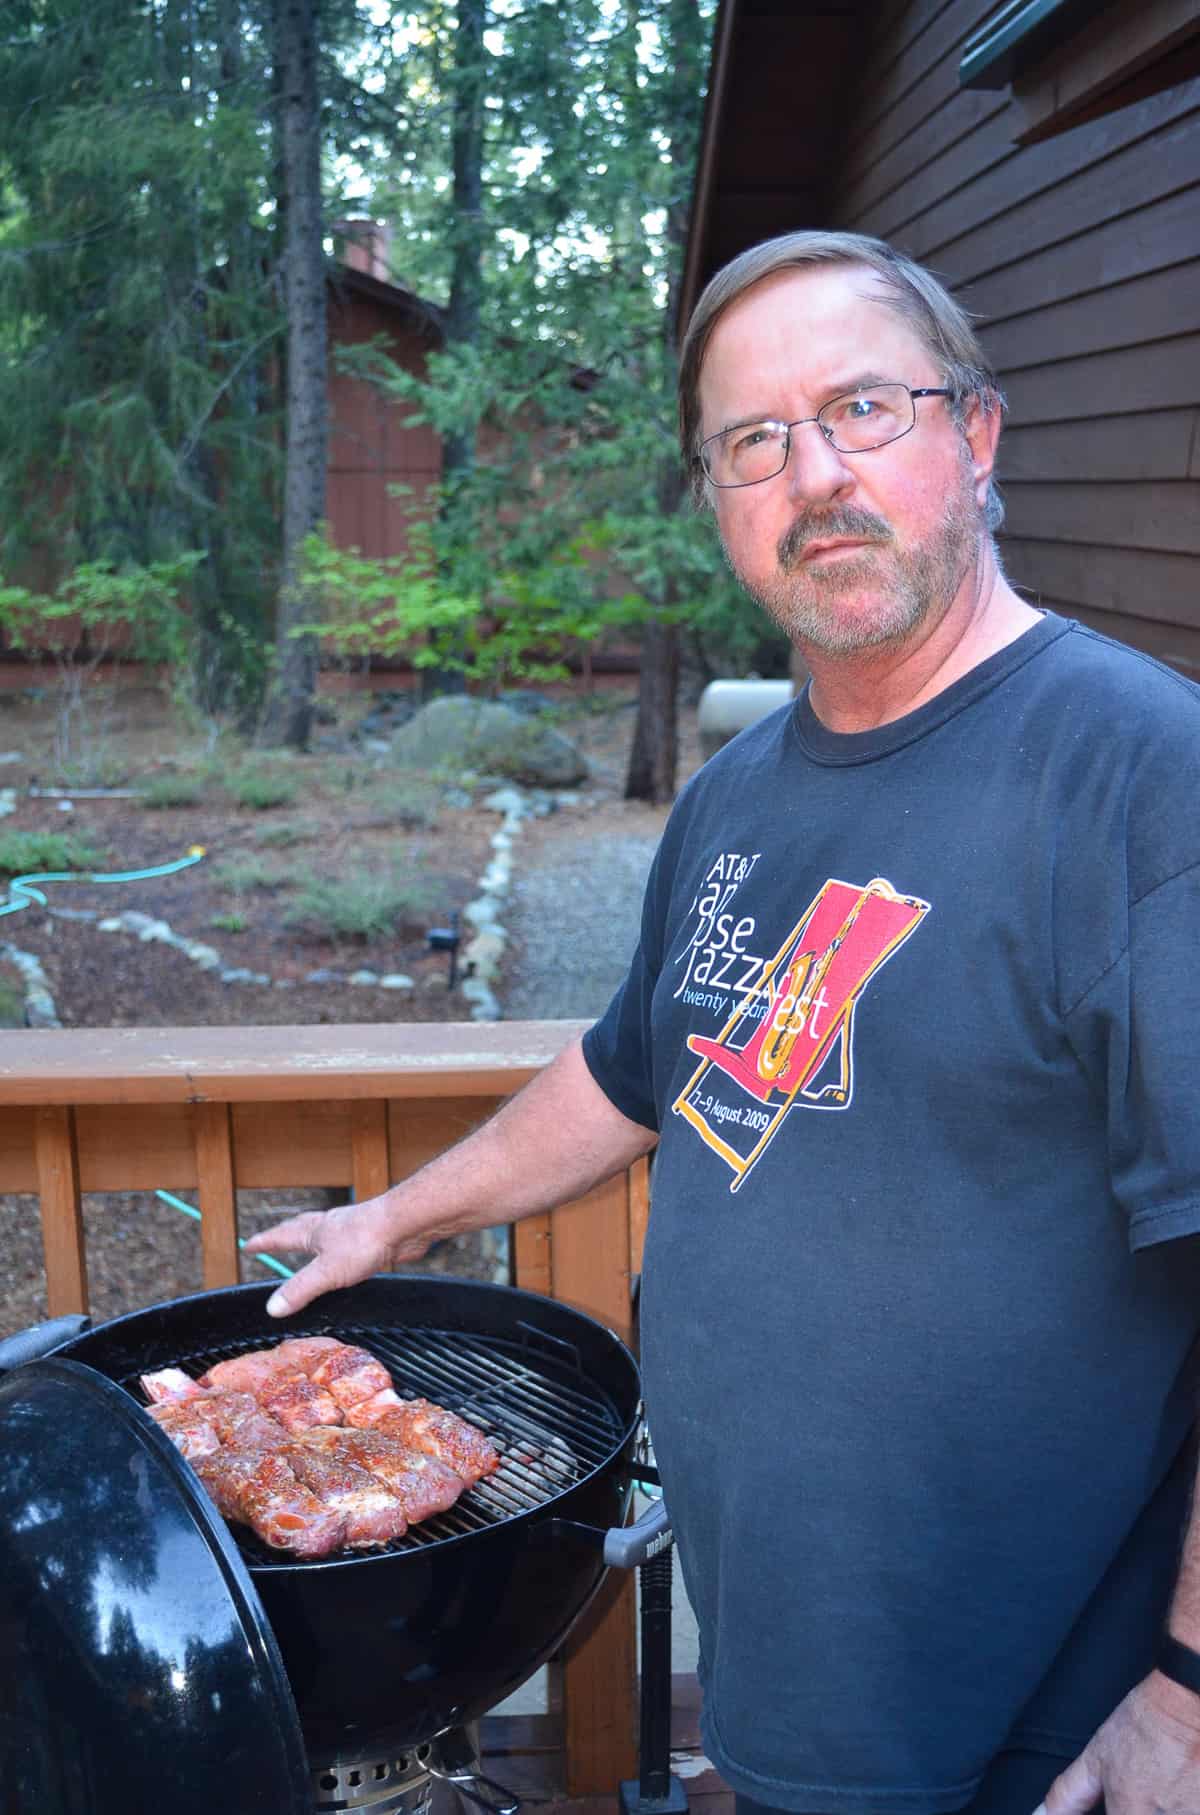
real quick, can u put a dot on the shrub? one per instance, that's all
(279, 837)
(229, 923)
(261, 788)
(12, 1003)
(362, 905)
(244, 873)
(173, 791)
(24, 853)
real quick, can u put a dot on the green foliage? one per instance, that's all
(241, 874)
(26, 853)
(360, 904)
(138, 316)
(520, 628)
(12, 1002)
(261, 788)
(229, 923)
(280, 837)
(173, 790)
(100, 608)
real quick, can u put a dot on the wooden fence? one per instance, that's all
(214, 1110)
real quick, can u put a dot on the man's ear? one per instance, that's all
(981, 432)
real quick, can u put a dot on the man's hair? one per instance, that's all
(914, 293)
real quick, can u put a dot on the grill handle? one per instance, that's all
(625, 1546)
(42, 1339)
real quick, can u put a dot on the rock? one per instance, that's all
(111, 926)
(486, 1006)
(40, 1010)
(378, 746)
(529, 705)
(238, 975)
(396, 980)
(484, 954)
(322, 977)
(460, 733)
(481, 913)
(8, 801)
(363, 979)
(204, 955)
(506, 800)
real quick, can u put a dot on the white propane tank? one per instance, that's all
(727, 707)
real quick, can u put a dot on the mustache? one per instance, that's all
(818, 526)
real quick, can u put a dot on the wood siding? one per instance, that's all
(373, 447)
(1081, 257)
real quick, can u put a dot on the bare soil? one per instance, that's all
(353, 815)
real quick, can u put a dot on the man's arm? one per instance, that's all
(553, 1141)
(1145, 1759)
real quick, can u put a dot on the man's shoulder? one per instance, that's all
(1113, 677)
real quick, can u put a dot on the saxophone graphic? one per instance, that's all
(845, 935)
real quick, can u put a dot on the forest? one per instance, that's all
(172, 177)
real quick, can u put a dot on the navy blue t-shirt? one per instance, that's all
(915, 1012)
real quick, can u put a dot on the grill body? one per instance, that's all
(393, 1646)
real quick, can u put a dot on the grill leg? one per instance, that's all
(656, 1791)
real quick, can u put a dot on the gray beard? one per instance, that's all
(811, 605)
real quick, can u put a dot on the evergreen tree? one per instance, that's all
(138, 320)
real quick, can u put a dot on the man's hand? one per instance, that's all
(1145, 1759)
(346, 1244)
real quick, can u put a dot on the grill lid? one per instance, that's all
(144, 1649)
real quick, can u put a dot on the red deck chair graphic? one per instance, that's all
(822, 968)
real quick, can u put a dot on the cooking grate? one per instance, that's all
(550, 1423)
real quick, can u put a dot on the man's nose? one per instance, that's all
(815, 469)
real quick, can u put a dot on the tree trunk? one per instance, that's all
(466, 279)
(655, 753)
(288, 715)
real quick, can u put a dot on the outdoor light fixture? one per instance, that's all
(446, 939)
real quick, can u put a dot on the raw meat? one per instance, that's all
(309, 1445)
(422, 1426)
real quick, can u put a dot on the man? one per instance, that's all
(912, 1020)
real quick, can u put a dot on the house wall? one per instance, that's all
(1082, 256)
(371, 446)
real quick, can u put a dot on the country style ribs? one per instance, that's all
(310, 1445)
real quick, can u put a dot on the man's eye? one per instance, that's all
(859, 408)
(747, 439)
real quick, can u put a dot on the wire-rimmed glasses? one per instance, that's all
(750, 452)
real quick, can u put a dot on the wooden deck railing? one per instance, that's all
(212, 1110)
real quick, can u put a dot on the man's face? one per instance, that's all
(846, 552)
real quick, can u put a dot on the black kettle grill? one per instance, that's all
(151, 1656)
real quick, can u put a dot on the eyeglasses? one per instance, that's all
(853, 424)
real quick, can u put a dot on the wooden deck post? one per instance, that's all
(369, 1157)
(584, 1254)
(217, 1193)
(56, 1157)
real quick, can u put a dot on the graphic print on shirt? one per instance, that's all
(777, 1048)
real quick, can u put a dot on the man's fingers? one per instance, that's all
(1077, 1788)
(297, 1233)
(320, 1275)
